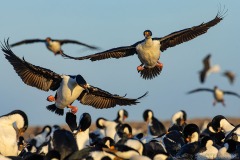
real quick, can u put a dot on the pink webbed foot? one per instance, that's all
(73, 109)
(159, 65)
(140, 68)
(51, 98)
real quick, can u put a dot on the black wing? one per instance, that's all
(27, 42)
(200, 89)
(231, 93)
(230, 75)
(101, 99)
(187, 34)
(30, 74)
(71, 121)
(64, 41)
(111, 53)
(206, 67)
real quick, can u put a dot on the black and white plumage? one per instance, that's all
(206, 149)
(54, 45)
(122, 114)
(81, 131)
(42, 136)
(12, 125)
(179, 118)
(149, 49)
(155, 127)
(68, 88)
(220, 123)
(228, 151)
(218, 94)
(207, 68)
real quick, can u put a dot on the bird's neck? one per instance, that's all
(148, 41)
(226, 126)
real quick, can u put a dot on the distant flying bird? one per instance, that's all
(54, 45)
(207, 68)
(149, 49)
(68, 88)
(217, 93)
(230, 76)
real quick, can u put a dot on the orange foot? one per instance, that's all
(159, 65)
(50, 98)
(140, 68)
(73, 109)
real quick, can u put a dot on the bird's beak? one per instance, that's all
(219, 129)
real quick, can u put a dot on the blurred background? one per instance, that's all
(109, 24)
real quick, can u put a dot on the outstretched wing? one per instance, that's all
(200, 89)
(102, 99)
(231, 93)
(111, 53)
(206, 62)
(27, 42)
(64, 41)
(187, 34)
(30, 74)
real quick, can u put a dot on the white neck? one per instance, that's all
(82, 139)
(226, 126)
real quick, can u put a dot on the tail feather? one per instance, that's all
(150, 73)
(53, 108)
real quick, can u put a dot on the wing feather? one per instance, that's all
(187, 34)
(102, 99)
(111, 53)
(200, 89)
(27, 42)
(30, 74)
(64, 41)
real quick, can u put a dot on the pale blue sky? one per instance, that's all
(113, 23)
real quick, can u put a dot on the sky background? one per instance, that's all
(109, 24)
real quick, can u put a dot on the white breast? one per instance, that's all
(82, 139)
(149, 52)
(8, 140)
(218, 95)
(54, 46)
(68, 92)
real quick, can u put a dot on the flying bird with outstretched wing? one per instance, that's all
(218, 94)
(54, 45)
(149, 49)
(68, 87)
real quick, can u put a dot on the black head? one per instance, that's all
(184, 115)
(147, 33)
(189, 129)
(204, 141)
(98, 124)
(146, 114)
(80, 80)
(216, 122)
(121, 116)
(47, 128)
(48, 39)
(84, 122)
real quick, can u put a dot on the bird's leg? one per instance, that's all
(159, 65)
(73, 109)
(214, 103)
(140, 68)
(223, 103)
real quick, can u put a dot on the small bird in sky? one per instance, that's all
(230, 76)
(54, 45)
(208, 68)
(218, 94)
